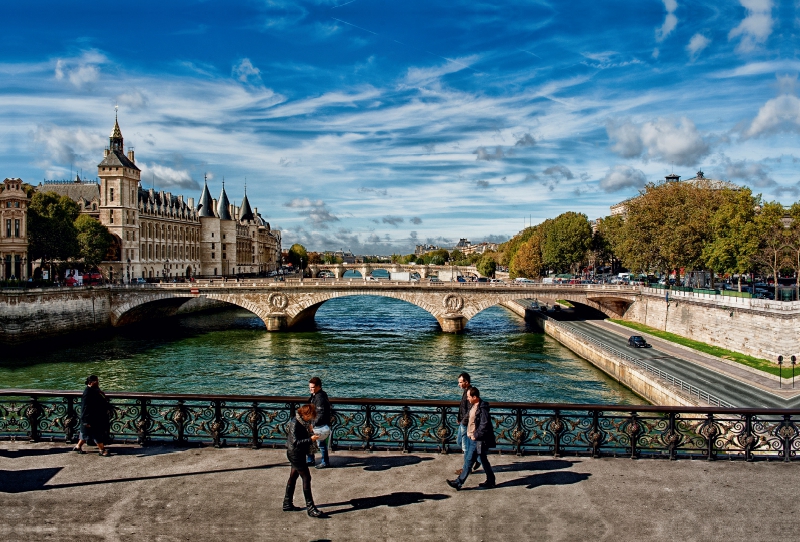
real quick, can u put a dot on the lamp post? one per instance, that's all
(301, 270)
(129, 270)
(780, 371)
(166, 267)
(794, 362)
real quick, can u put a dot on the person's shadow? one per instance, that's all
(392, 500)
(380, 462)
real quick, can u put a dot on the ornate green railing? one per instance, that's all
(412, 425)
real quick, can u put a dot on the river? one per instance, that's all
(361, 346)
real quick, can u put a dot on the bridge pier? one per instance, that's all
(453, 323)
(276, 322)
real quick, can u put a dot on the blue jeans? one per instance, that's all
(471, 456)
(461, 438)
(323, 449)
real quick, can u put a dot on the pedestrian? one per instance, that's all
(322, 421)
(298, 442)
(95, 424)
(480, 437)
(464, 382)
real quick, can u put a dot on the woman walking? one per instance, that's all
(298, 442)
(94, 417)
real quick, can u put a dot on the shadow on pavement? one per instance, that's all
(392, 500)
(32, 452)
(378, 463)
(546, 479)
(35, 479)
(543, 464)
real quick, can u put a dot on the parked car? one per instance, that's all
(637, 341)
(481, 279)
(138, 280)
(435, 279)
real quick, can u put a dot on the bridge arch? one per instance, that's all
(162, 304)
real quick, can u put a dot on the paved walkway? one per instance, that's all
(161, 493)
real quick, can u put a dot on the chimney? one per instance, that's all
(214, 203)
(105, 152)
(190, 202)
(180, 200)
(130, 156)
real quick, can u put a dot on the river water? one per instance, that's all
(361, 346)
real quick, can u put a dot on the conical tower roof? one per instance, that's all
(206, 207)
(245, 213)
(223, 205)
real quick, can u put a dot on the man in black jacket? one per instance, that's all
(464, 382)
(480, 437)
(320, 400)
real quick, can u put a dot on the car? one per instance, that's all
(637, 341)
(482, 279)
(460, 279)
(138, 280)
(435, 279)
(496, 281)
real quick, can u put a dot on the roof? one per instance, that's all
(223, 206)
(74, 191)
(245, 212)
(206, 207)
(117, 159)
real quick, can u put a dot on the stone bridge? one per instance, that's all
(284, 305)
(365, 269)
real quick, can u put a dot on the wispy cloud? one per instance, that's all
(756, 27)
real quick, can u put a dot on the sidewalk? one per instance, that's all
(167, 494)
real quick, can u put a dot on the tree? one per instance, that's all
(566, 240)
(94, 240)
(773, 238)
(527, 260)
(606, 240)
(51, 228)
(793, 235)
(734, 237)
(486, 265)
(298, 254)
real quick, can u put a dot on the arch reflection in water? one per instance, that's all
(361, 346)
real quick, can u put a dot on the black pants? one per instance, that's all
(300, 469)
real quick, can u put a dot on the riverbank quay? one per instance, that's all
(165, 493)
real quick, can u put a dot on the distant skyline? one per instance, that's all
(375, 125)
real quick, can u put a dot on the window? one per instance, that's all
(212, 246)
(224, 256)
(212, 257)
(111, 217)
(112, 194)
(212, 235)
(8, 228)
(223, 236)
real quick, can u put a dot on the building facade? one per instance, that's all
(160, 235)
(14, 231)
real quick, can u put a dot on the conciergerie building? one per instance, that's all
(163, 235)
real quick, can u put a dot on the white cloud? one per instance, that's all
(619, 177)
(164, 177)
(670, 21)
(245, 72)
(422, 76)
(314, 210)
(135, 99)
(81, 71)
(483, 154)
(661, 139)
(696, 45)
(781, 114)
(63, 147)
(756, 27)
(752, 173)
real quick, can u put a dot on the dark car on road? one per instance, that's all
(637, 341)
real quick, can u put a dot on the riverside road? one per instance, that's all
(737, 387)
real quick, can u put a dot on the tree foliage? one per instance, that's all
(298, 254)
(565, 241)
(527, 260)
(51, 227)
(487, 265)
(94, 240)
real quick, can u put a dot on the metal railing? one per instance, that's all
(415, 426)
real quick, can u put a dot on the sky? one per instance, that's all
(376, 125)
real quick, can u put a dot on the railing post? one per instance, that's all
(632, 429)
(253, 421)
(749, 439)
(519, 432)
(367, 431)
(217, 426)
(70, 420)
(556, 428)
(143, 423)
(405, 423)
(443, 432)
(710, 432)
(595, 435)
(673, 438)
(180, 418)
(34, 414)
(787, 433)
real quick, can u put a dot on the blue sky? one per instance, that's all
(374, 125)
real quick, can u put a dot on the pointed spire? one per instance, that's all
(223, 206)
(116, 141)
(206, 207)
(246, 213)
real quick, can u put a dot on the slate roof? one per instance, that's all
(74, 191)
(117, 159)
(206, 207)
(223, 206)
(245, 212)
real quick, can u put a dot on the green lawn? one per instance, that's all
(756, 363)
(564, 302)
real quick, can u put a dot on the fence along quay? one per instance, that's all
(636, 431)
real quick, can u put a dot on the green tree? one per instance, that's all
(486, 265)
(94, 240)
(298, 254)
(566, 240)
(52, 235)
(605, 240)
(456, 256)
(793, 235)
(437, 257)
(734, 239)
(774, 240)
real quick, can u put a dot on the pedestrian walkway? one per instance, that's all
(167, 494)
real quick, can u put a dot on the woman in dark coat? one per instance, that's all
(95, 424)
(298, 442)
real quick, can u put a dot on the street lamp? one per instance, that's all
(129, 270)
(166, 264)
(794, 362)
(301, 270)
(780, 371)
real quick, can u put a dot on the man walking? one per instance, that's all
(480, 437)
(323, 418)
(464, 382)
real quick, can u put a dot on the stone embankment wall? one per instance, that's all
(31, 314)
(648, 386)
(758, 327)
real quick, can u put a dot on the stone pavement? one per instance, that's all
(168, 494)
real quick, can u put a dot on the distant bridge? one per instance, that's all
(365, 269)
(284, 305)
